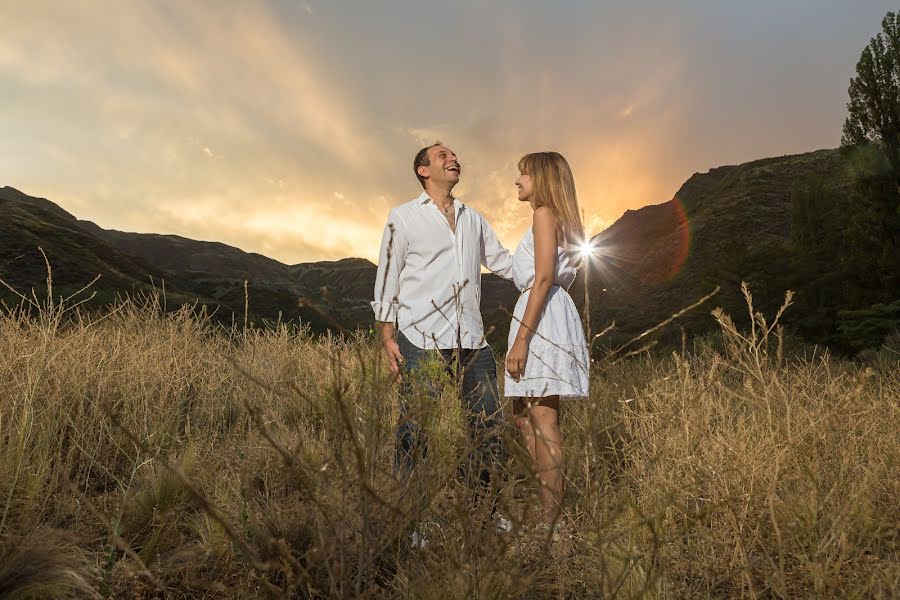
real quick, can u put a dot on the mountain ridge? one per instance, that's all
(721, 227)
(728, 225)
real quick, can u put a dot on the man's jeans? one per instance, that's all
(481, 402)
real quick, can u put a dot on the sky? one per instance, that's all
(288, 127)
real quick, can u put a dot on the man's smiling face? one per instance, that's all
(443, 168)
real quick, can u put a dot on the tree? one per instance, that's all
(836, 253)
(874, 122)
(874, 105)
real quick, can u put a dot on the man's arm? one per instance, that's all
(387, 332)
(493, 255)
(391, 259)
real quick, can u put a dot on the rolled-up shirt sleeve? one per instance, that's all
(391, 259)
(493, 255)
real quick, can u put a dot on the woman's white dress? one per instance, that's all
(557, 362)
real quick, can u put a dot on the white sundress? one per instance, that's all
(557, 362)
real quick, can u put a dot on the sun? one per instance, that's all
(587, 249)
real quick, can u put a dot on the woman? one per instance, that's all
(548, 355)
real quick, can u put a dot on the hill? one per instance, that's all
(335, 294)
(722, 227)
(75, 255)
(207, 273)
(730, 224)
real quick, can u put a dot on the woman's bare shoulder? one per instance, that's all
(544, 218)
(544, 225)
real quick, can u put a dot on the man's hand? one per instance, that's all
(391, 349)
(516, 358)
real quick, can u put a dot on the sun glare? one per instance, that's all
(587, 249)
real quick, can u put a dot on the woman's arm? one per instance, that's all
(545, 251)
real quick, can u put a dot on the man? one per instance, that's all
(427, 302)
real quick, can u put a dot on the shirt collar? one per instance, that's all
(424, 198)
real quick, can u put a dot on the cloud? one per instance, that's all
(126, 93)
(282, 226)
(235, 73)
(425, 136)
(289, 127)
(594, 224)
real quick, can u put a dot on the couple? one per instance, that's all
(427, 303)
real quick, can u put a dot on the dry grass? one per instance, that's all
(154, 455)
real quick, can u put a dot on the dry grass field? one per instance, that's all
(154, 455)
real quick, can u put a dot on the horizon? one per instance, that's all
(278, 129)
(373, 260)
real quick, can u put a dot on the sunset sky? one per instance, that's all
(288, 127)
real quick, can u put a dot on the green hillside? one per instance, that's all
(731, 224)
(75, 256)
(776, 223)
(202, 273)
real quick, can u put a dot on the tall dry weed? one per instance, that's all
(186, 459)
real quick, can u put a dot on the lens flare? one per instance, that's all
(644, 247)
(682, 239)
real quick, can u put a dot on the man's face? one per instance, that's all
(444, 168)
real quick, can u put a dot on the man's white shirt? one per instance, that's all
(429, 279)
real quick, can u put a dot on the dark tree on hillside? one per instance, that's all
(874, 120)
(874, 105)
(846, 258)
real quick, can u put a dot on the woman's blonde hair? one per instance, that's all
(554, 186)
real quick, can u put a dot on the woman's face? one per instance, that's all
(523, 183)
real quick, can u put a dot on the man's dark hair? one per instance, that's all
(422, 160)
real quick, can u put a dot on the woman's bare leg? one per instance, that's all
(544, 418)
(523, 424)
